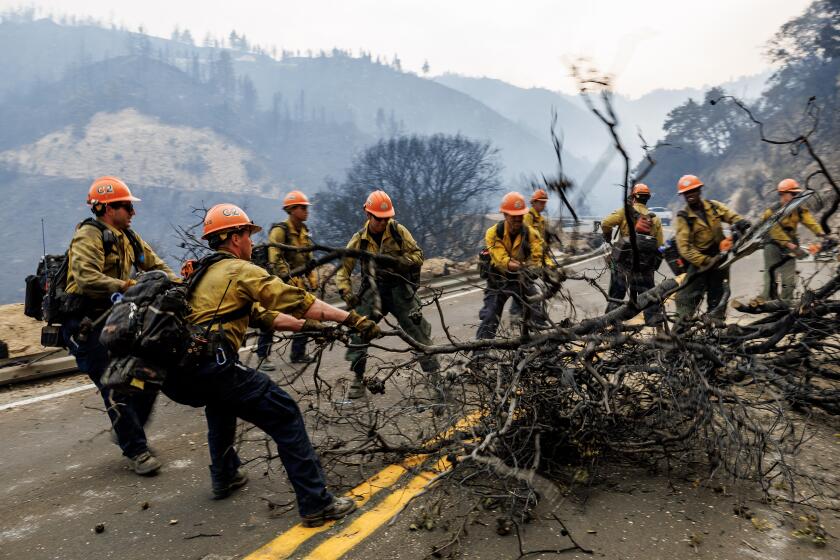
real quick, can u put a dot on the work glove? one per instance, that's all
(532, 272)
(312, 325)
(351, 299)
(554, 275)
(404, 265)
(741, 226)
(364, 326)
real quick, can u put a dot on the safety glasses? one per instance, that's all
(127, 206)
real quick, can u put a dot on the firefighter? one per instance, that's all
(535, 219)
(516, 252)
(649, 238)
(699, 236)
(281, 262)
(396, 286)
(231, 293)
(783, 243)
(100, 260)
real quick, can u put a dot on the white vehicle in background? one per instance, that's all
(665, 215)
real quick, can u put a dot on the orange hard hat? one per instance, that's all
(109, 189)
(539, 194)
(227, 216)
(640, 188)
(379, 204)
(513, 203)
(789, 185)
(688, 183)
(295, 198)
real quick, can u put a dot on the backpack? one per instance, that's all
(413, 275)
(484, 266)
(147, 329)
(46, 299)
(259, 254)
(649, 255)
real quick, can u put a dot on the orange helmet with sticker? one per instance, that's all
(379, 204)
(226, 216)
(295, 198)
(105, 190)
(688, 183)
(513, 203)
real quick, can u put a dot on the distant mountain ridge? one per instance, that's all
(584, 136)
(374, 98)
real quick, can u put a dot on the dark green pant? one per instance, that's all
(711, 284)
(773, 256)
(401, 301)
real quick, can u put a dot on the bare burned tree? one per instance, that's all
(439, 185)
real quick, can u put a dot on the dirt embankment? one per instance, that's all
(22, 334)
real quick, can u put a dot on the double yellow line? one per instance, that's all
(364, 525)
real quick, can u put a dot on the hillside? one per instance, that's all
(373, 98)
(718, 142)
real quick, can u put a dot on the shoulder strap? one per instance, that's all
(500, 230)
(526, 241)
(688, 219)
(109, 240)
(363, 242)
(282, 225)
(395, 232)
(201, 268)
(139, 253)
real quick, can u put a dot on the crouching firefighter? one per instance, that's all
(226, 292)
(782, 244)
(513, 252)
(649, 238)
(281, 262)
(396, 286)
(99, 263)
(699, 235)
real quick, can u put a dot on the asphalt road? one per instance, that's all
(60, 476)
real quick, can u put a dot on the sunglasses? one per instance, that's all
(127, 206)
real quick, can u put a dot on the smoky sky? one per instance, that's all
(646, 44)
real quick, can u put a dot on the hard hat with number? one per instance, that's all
(226, 216)
(109, 189)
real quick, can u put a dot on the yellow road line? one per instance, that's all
(285, 544)
(366, 524)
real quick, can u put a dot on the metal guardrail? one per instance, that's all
(57, 362)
